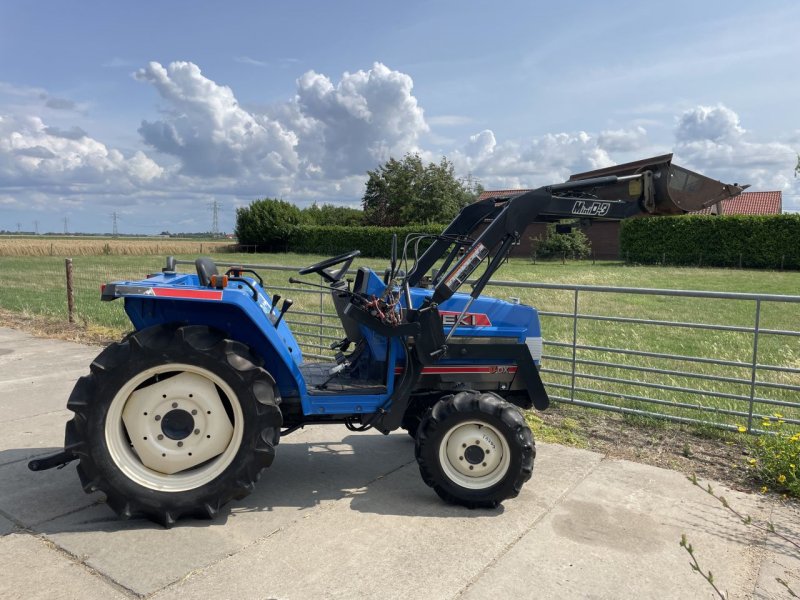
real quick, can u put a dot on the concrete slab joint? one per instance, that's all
(337, 508)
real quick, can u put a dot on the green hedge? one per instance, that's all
(338, 239)
(763, 241)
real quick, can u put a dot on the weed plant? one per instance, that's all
(775, 456)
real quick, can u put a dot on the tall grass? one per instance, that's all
(36, 285)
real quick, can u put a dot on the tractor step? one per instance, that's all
(59, 459)
(320, 381)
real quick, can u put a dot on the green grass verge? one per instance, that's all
(35, 285)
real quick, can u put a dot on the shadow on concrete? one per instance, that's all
(375, 474)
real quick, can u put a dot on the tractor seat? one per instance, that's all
(340, 301)
(205, 269)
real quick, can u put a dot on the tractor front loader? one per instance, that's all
(184, 413)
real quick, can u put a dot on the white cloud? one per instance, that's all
(546, 159)
(714, 123)
(623, 140)
(352, 126)
(712, 141)
(73, 133)
(34, 154)
(328, 130)
(318, 145)
(34, 101)
(207, 130)
(246, 60)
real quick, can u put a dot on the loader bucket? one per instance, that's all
(675, 190)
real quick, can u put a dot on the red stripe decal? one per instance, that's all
(193, 294)
(446, 370)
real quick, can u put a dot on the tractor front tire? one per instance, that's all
(412, 418)
(172, 422)
(475, 449)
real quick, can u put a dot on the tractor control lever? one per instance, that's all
(275, 299)
(287, 304)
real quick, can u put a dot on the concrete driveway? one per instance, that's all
(343, 515)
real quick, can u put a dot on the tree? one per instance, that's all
(268, 223)
(329, 214)
(574, 244)
(402, 192)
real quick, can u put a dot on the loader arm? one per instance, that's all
(653, 186)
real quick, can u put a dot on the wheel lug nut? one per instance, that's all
(197, 432)
(174, 405)
(180, 444)
(194, 411)
(471, 467)
(161, 437)
(158, 417)
(460, 458)
(484, 464)
(463, 445)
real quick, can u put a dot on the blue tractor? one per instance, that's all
(184, 413)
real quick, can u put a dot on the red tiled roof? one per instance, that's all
(746, 203)
(750, 203)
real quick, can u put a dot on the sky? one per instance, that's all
(156, 111)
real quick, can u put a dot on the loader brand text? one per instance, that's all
(595, 209)
(468, 320)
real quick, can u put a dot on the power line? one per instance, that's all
(66, 225)
(115, 232)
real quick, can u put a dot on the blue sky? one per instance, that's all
(153, 110)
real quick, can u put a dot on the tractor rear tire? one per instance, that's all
(172, 422)
(475, 449)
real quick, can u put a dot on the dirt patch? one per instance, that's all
(710, 454)
(56, 328)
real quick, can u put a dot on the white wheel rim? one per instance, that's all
(474, 455)
(175, 434)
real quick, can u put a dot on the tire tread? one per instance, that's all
(89, 400)
(465, 405)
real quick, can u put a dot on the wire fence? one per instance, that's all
(724, 360)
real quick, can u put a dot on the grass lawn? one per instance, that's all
(35, 285)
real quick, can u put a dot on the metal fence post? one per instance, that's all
(754, 368)
(70, 292)
(321, 312)
(574, 344)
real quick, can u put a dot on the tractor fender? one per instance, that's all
(246, 324)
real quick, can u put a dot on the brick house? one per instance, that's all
(604, 235)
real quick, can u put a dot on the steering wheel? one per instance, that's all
(321, 266)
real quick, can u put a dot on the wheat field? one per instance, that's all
(90, 246)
